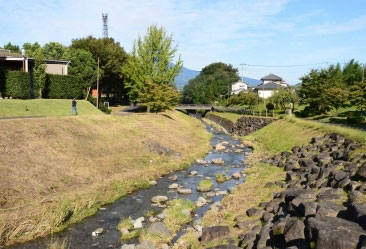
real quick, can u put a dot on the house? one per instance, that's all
(238, 87)
(20, 62)
(270, 84)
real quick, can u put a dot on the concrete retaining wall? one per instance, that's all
(243, 126)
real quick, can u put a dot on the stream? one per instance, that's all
(137, 204)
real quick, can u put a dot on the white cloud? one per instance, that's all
(356, 24)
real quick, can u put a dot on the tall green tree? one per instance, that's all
(53, 51)
(314, 86)
(212, 84)
(112, 57)
(39, 71)
(82, 65)
(13, 48)
(149, 69)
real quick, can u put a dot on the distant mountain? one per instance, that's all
(182, 79)
(187, 74)
(251, 81)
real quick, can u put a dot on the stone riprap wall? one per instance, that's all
(243, 126)
(246, 125)
(323, 202)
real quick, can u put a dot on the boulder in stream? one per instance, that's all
(159, 199)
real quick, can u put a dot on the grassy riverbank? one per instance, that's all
(279, 136)
(58, 170)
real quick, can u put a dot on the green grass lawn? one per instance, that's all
(44, 107)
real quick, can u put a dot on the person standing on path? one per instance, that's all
(74, 110)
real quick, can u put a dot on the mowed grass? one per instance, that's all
(44, 107)
(57, 170)
(276, 137)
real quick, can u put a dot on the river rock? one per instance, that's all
(158, 229)
(201, 202)
(294, 230)
(97, 232)
(210, 194)
(212, 233)
(159, 199)
(173, 186)
(153, 182)
(193, 173)
(185, 191)
(236, 175)
(138, 223)
(218, 161)
(219, 147)
(128, 246)
(173, 178)
(162, 216)
(332, 232)
(201, 161)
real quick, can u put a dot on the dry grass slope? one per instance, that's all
(57, 170)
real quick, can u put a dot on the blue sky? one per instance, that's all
(257, 32)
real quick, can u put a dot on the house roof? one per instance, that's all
(269, 86)
(271, 77)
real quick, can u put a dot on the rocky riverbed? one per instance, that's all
(147, 210)
(322, 205)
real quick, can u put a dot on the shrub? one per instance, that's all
(62, 87)
(102, 107)
(14, 84)
(270, 106)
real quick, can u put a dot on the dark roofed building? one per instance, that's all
(271, 77)
(270, 84)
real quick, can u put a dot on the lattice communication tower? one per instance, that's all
(105, 25)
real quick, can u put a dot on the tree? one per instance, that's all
(54, 51)
(12, 48)
(336, 97)
(283, 97)
(158, 97)
(244, 99)
(314, 85)
(112, 57)
(39, 71)
(82, 65)
(352, 72)
(213, 82)
(358, 96)
(149, 71)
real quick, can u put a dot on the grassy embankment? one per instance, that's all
(279, 136)
(57, 170)
(44, 107)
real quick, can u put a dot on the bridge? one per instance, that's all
(194, 107)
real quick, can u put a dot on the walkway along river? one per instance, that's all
(79, 236)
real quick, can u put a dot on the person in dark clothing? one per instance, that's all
(74, 110)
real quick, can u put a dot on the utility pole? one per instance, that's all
(98, 85)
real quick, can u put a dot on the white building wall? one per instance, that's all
(238, 87)
(265, 94)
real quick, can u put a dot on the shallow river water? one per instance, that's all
(79, 236)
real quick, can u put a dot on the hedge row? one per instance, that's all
(62, 87)
(14, 84)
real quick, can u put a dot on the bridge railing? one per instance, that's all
(193, 106)
(245, 111)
